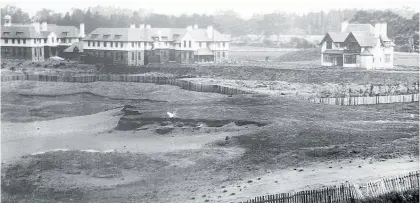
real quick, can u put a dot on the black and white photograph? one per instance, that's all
(218, 101)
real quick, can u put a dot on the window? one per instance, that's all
(329, 45)
(94, 36)
(350, 59)
(180, 45)
(387, 58)
(40, 52)
(189, 44)
(164, 54)
(88, 43)
(13, 41)
(121, 45)
(99, 44)
(24, 41)
(132, 55)
(36, 52)
(64, 33)
(117, 36)
(6, 41)
(185, 44)
(104, 44)
(106, 36)
(93, 44)
(105, 54)
(218, 54)
(223, 53)
(45, 41)
(327, 58)
(6, 33)
(52, 39)
(18, 41)
(111, 54)
(132, 44)
(224, 44)
(24, 52)
(112, 44)
(139, 57)
(19, 33)
(199, 44)
(122, 56)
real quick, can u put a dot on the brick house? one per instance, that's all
(358, 45)
(143, 45)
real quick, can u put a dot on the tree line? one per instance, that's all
(403, 30)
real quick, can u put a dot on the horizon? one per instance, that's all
(245, 9)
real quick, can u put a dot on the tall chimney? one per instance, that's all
(37, 26)
(82, 30)
(378, 29)
(148, 26)
(44, 26)
(133, 26)
(210, 31)
(344, 25)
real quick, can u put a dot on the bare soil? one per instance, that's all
(215, 143)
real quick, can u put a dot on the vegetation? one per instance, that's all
(301, 55)
(411, 196)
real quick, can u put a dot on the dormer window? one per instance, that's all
(6, 33)
(19, 34)
(106, 36)
(117, 36)
(64, 33)
(94, 36)
(329, 45)
(164, 38)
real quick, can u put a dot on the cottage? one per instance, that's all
(358, 45)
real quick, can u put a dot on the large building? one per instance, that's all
(143, 45)
(358, 45)
(36, 41)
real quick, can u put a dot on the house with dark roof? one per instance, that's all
(143, 45)
(358, 45)
(36, 41)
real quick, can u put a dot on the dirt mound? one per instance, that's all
(134, 123)
(301, 55)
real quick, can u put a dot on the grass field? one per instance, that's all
(218, 148)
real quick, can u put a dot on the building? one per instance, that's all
(358, 45)
(36, 41)
(143, 45)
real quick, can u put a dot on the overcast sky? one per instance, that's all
(245, 7)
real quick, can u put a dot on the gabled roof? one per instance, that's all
(72, 47)
(335, 36)
(147, 34)
(364, 39)
(360, 28)
(27, 32)
(72, 31)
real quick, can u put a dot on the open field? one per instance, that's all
(113, 142)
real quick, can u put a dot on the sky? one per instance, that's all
(245, 8)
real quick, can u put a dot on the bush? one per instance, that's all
(410, 196)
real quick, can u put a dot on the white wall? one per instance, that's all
(28, 43)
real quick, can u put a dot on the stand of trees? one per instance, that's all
(403, 30)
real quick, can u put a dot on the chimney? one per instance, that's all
(148, 26)
(195, 26)
(384, 29)
(189, 28)
(44, 26)
(37, 26)
(82, 30)
(7, 21)
(133, 26)
(378, 29)
(210, 31)
(344, 25)
(141, 26)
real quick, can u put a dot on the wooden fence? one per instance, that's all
(188, 85)
(354, 101)
(345, 192)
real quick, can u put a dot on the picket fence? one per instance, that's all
(345, 192)
(183, 84)
(354, 101)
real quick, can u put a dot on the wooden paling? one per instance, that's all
(346, 193)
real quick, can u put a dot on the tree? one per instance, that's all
(18, 16)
